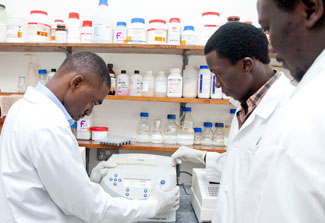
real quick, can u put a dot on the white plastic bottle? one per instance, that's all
(3, 22)
(209, 23)
(73, 26)
(185, 130)
(103, 23)
(189, 36)
(51, 74)
(161, 85)
(122, 84)
(216, 93)
(83, 127)
(174, 31)
(137, 31)
(170, 130)
(190, 82)
(148, 84)
(120, 33)
(143, 128)
(174, 83)
(157, 32)
(87, 31)
(204, 82)
(136, 84)
(38, 27)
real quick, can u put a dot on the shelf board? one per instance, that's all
(147, 146)
(164, 99)
(153, 99)
(102, 48)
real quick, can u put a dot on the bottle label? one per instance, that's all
(136, 35)
(61, 36)
(145, 86)
(102, 32)
(113, 84)
(174, 35)
(175, 86)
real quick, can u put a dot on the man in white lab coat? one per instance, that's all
(42, 178)
(237, 53)
(286, 182)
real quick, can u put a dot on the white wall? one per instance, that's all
(121, 116)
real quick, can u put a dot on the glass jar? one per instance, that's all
(143, 128)
(42, 76)
(207, 134)
(156, 136)
(219, 135)
(21, 84)
(170, 130)
(197, 136)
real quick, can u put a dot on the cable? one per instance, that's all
(186, 173)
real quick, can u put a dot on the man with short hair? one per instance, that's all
(237, 53)
(42, 177)
(287, 179)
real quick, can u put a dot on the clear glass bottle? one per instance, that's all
(219, 135)
(197, 136)
(185, 130)
(207, 134)
(170, 130)
(143, 128)
(228, 122)
(42, 76)
(156, 134)
(21, 84)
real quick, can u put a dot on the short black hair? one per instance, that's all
(92, 66)
(236, 40)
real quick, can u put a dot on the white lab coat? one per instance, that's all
(287, 178)
(234, 165)
(42, 177)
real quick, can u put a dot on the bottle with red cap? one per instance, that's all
(157, 32)
(38, 27)
(87, 31)
(209, 23)
(53, 29)
(233, 19)
(174, 31)
(73, 26)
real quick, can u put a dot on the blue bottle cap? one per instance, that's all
(42, 71)
(188, 28)
(219, 125)
(121, 23)
(232, 111)
(144, 114)
(74, 125)
(103, 2)
(171, 116)
(204, 67)
(187, 109)
(197, 130)
(141, 20)
(207, 124)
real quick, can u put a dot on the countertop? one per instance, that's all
(185, 213)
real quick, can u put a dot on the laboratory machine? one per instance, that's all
(203, 196)
(135, 176)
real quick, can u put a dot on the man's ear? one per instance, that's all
(247, 64)
(76, 81)
(313, 11)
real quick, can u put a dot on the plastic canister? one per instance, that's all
(3, 22)
(137, 31)
(87, 31)
(73, 26)
(216, 93)
(161, 85)
(204, 82)
(174, 31)
(98, 133)
(190, 82)
(83, 128)
(209, 23)
(38, 29)
(61, 34)
(120, 31)
(174, 83)
(103, 23)
(189, 36)
(15, 30)
(53, 29)
(157, 32)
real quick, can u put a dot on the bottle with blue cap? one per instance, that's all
(120, 33)
(185, 128)
(103, 23)
(197, 136)
(207, 134)
(204, 82)
(170, 130)
(42, 76)
(189, 36)
(143, 128)
(137, 32)
(219, 135)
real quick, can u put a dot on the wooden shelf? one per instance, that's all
(102, 48)
(153, 99)
(147, 146)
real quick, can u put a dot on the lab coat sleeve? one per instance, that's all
(54, 153)
(214, 165)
